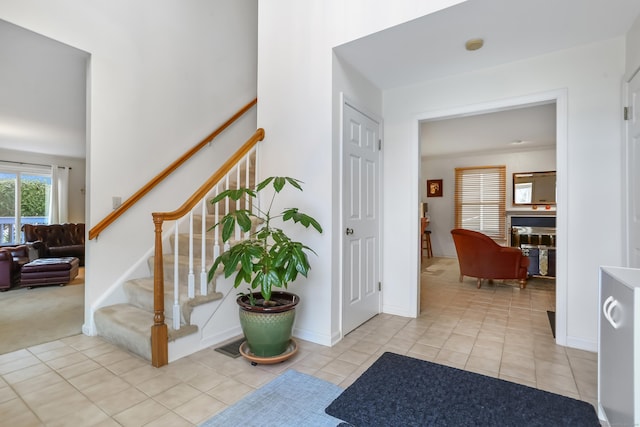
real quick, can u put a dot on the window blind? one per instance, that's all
(480, 200)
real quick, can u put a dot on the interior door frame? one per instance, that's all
(560, 97)
(346, 100)
(627, 190)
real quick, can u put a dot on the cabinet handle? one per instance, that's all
(607, 309)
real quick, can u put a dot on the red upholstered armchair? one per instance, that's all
(480, 257)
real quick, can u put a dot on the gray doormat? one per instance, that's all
(231, 349)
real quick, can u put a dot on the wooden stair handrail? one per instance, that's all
(159, 330)
(213, 179)
(127, 204)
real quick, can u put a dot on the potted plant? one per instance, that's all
(267, 258)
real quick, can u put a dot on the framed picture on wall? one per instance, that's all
(434, 188)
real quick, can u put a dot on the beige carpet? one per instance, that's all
(35, 316)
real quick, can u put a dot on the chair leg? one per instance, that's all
(461, 276)
(523, 283)
(479, 283)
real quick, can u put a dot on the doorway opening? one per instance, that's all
(485, 135)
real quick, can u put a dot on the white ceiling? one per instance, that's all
(527, 128)
(433, 47)
(42, 94)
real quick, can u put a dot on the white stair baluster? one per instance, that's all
(191, 281)
(238, 185)
(176, 288)
(203, 249)
(226, 205)
(216, 218)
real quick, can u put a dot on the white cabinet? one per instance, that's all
(619, 346)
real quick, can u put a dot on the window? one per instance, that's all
(480, 200)
(24, 199)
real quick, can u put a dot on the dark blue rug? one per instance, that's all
(402, 391)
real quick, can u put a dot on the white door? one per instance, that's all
(633, 171)
(361, 218)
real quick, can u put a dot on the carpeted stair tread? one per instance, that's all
(129, 327)
(140, 294)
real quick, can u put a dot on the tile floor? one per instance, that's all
(499, 330)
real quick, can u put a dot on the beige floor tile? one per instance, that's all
(108, 387)
(230, 391)
(56, 353)
(58, 406)
(118, 402)
(112, 357)
(459, 343)
(91, 378)
(124, 365)
(141, 374)
(452, 358)
(177, 395)
(26, 373)
(170, 419)
(17, 364)
(141, 413)
(200, 409)
(78, 369)
(426, 352)
(158, 384)
(23, 419)
(42, 348)
(328, 376)
(340, 368)
(483, 365)
(207, 382)
(255, 378)
(88, 415)
(38, 383)
(512, 370)
(7, 393)
(12, 408)
(67, 360)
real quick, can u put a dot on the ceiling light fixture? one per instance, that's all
(474, 44)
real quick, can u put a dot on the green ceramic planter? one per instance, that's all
(268, 329)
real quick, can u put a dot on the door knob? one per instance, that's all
(349, 231)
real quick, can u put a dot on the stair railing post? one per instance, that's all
(159, 333)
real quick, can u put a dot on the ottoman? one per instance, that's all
(49, 271)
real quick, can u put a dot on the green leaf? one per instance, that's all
(278, 184)
(264, 183)
(295, 182)
(228, 227)
(243, 219)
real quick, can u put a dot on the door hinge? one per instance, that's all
(379, 144)
(626, 113)
(379, 286)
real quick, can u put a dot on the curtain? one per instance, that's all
(59, 195)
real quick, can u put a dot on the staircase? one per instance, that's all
(197, 312)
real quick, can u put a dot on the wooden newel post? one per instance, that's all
(159, 335)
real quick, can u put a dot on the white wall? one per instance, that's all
(633, 49)
(297, 105)
(77, 174)
(441, 209)
(163, 74)
(297, 100)
(591, 76)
